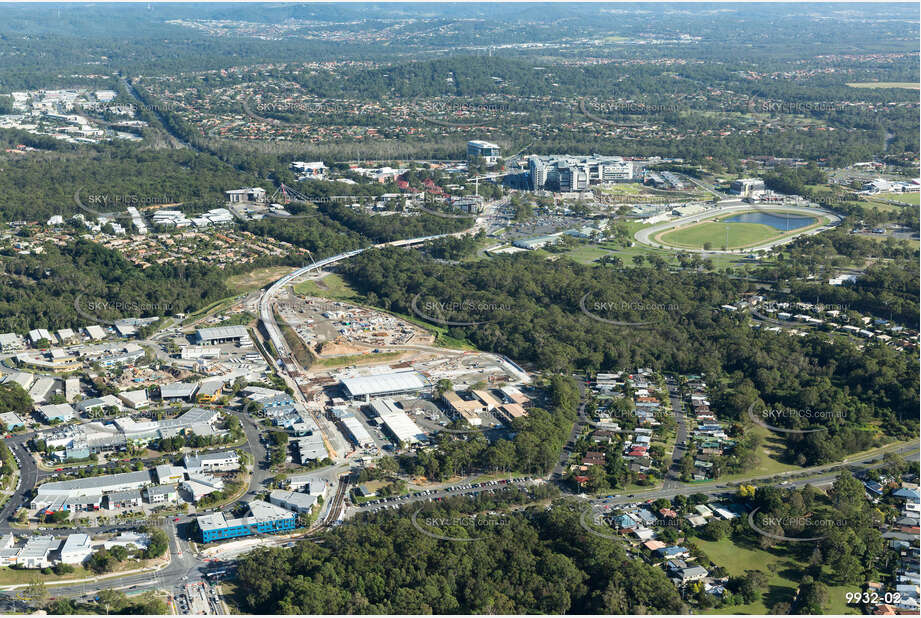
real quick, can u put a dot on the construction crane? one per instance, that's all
(285, 195)
(476, 180)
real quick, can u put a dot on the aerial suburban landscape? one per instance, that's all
(469, 308)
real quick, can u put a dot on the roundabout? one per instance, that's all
(736, 227)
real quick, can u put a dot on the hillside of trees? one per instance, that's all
(528, 562)
(531, 310)
(45, 291)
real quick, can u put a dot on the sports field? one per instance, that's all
(716, 234)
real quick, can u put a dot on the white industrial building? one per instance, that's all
(357, 432)
(292, 500)
(88, 405)
(308, 483)
(135, 399)
(222, 334)
(61, 495)
(193, 352)
(22, 378)
(36, 553)
(95, 332)
(178, 390)
(384, 385)
(39, 334)
(62, 412)
(76, 549)
(398, 425)
(41, 389)
(223, 461)
(10, 342)
(11, 420)
(200, 485)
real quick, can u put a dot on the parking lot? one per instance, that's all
(199, 598)
(436, 495)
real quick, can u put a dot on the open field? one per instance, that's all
(739, 235)
(784, 575)
(623, 189)
(331, 286)
(358, 359)
(736, 235)
(914, 244)
(256, 279)
(906, 85)
(11, 577)
(909, 198)
(586, 254)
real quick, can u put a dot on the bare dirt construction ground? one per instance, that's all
(334, 348)
(256, 279)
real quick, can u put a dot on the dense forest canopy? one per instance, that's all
(558, 316)
(533, 561)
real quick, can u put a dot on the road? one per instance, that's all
(29, 475)
(645, 235)
(461, 489)
(673, 478)
(336, 443)
(817, 476)
(581, 421)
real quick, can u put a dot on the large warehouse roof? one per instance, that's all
(108, 482)
(222, 332)
(385, 383)
(359, 434)
(403, 427)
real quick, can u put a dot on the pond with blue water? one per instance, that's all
(780, 221)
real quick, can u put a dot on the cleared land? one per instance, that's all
(256, 279)
(906, 85)
(908, 198)
(784, 572)
(331, 286)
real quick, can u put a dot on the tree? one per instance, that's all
(119, 552)
(746, 491)
(36, 592)
(443, 386)
(112, 600)
(100, 561)
(716, 529)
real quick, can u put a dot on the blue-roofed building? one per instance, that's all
(874, 488)
(263, 518)
(672, 552)
(646, 516)
(907, 494)
(276, 401)
(625, 522)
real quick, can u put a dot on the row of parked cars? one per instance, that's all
(446, 491)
